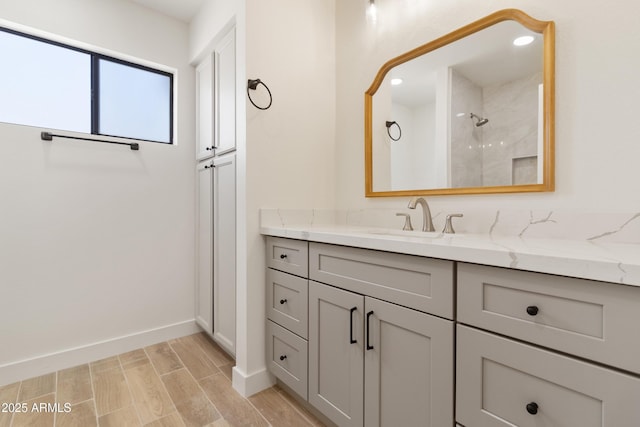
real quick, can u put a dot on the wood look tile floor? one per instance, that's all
(183, 383)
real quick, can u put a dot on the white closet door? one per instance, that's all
(225, 61)
(204, 108)
(224, 252)
(204, 246)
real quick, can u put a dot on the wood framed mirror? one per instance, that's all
(470, 112)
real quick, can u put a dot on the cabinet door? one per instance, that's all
(224, 252)
(225, 62)
(408, 367)
(335, 353)
(204, 246)
(204, 108)
(503, 382)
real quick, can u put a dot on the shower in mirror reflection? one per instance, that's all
(479, 120)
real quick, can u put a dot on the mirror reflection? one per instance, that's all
(468, 116)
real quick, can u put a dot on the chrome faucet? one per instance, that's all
(427, 223)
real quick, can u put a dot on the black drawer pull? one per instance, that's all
(532, 310)
(283, 256)
(284, 356)
(369, 314)
(532, 408)
(282, 301)
(351, 339)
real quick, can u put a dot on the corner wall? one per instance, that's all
(96, 240)
(290, 146)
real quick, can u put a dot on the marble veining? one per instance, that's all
(515, 239)
(618, 230)
(536, 221)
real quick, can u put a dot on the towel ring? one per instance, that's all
(253, 85)
(389, 124)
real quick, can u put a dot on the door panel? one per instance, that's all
(224, 252)
(204, 247)
(409, 369)
(335, 362)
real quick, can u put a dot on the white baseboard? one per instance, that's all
(248, 385)
(44, 364)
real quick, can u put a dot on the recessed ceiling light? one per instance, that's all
(396, 82)
(523, 41)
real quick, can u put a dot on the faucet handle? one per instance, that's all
(407, 221)
(448, 227)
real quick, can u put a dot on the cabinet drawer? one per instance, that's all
(287, 301)
(424, 284)
(501, 382)
(287, 358)
(288, 255)
(590, 319)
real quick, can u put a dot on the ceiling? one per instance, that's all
(183, 10)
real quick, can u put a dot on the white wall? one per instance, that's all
(413, 157)
(597, 130)
(290, 147)
(96, 240)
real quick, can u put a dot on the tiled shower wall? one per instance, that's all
(485, 156)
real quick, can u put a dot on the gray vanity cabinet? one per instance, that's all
(287, 317)
(401, 358)
(385, 341)
(360, 338)
(353, 332)
(535, 379)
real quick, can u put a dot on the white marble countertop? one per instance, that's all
(609, 262)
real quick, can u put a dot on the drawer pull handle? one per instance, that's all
(532, 408)
(282, 301)
(284, 356)
(283, 256)
(351, 339)
(369, 314)
(532, 310)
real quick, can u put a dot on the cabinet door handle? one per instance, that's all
(284, 356)
(369, 347)
(351, 339)
(532, 310)
(209, 148)
(532, 408)
(282, 301)
(283, 256)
